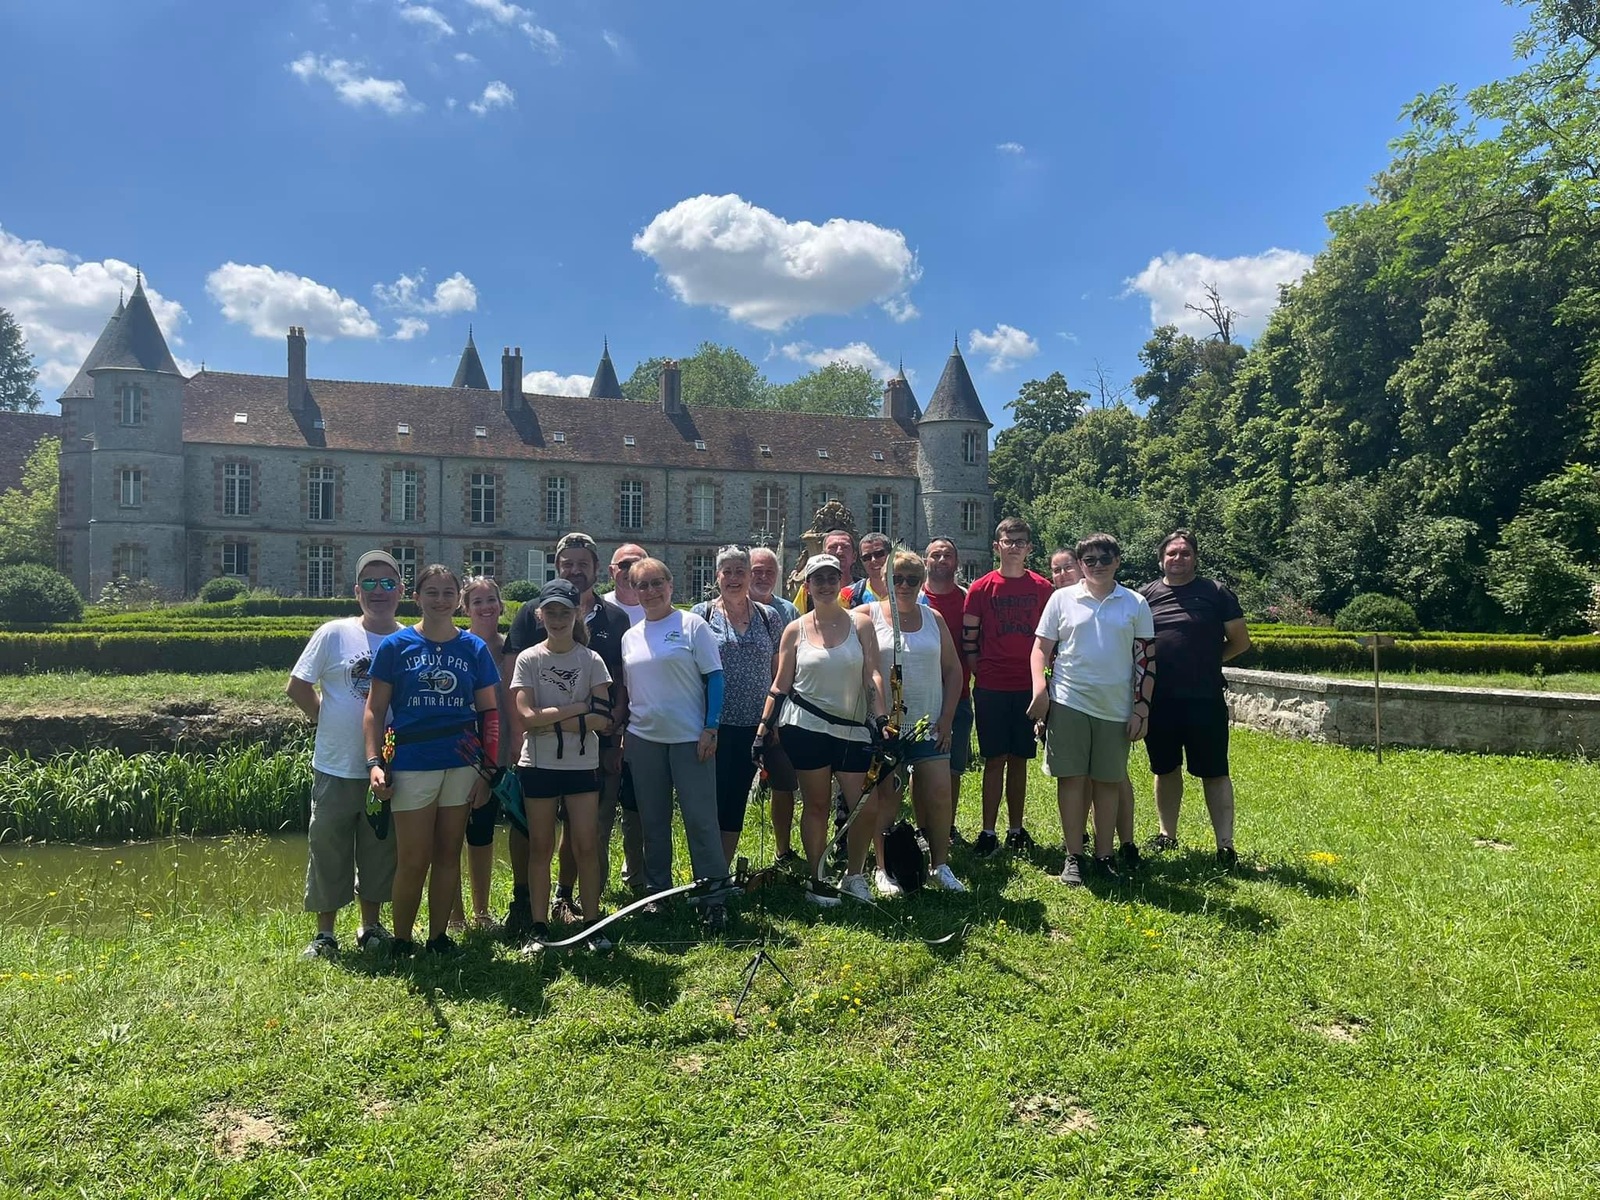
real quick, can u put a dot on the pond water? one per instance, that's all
(99, 888)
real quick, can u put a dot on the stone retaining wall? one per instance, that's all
(1444, 718)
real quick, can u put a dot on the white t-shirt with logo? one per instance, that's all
(1093, 669)
(663, 662)
(557, 680)
(337, 658)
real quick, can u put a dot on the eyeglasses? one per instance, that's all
(1098, 560)
(387, 584)
(649, 585)
(873, 555)
(908, 581)
(1015, 543)
(625, 565)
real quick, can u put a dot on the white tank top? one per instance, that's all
(831, 680)
(920, 663)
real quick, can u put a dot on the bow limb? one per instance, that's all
(628, 910)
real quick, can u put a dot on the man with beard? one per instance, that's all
(578, 562)
(1199, 626)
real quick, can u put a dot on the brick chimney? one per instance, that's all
(297, 368)
(897, 402)
(671, 388)
(511, 380)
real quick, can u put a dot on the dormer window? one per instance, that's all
(877, 456)
(821, 453)
(318, 424)
(699, 443)
(627, 439)
(241, 418)
(766, 450)
(559, 438)
(402, 427)
(480, 431)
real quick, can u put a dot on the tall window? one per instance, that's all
(969, 446)
(882, 507)
(236, 559)
(236, 489)
(768, 508)
(319, 570)
(403, 495)
(130, 560)
(541, 566)
(555, 501)
(405, 557)
(703, 505)
(130, 405)
(319, 494)
(131, 481)
(702, 574)
(481, 499)
(482, 561)
(969, 516)
(822, 496)
(630, 507)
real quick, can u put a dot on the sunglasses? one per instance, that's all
(1098, 560)
(649, 585)
(908, 581)
(873, 555)
(387, 584)
(625, 565)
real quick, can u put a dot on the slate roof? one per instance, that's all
(130, 339)
(955, 399)
(19, 434)
(469, 374)
(605, 385)
(364, 416)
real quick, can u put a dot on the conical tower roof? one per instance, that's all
(955, 399)
(469, 372)
(605, 385)
(130, 339)
(900, 377)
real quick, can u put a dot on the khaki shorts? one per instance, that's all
(1077, 744)
(449, 788)
(345, 858)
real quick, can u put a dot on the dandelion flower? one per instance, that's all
(1323, 858)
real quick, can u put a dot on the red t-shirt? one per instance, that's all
(1008, 613)
(951, 605)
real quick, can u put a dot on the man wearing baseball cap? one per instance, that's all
(346, 857)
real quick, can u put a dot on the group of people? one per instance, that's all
(627, 704)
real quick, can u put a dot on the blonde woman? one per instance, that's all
(481, 601)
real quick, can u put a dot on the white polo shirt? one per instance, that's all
(1093, 668)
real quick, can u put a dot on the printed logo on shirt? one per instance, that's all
(673, 636)
(562, 677)
(438, 680)
(355, 673)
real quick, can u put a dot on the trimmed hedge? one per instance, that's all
(1343, 655)
(141, 653)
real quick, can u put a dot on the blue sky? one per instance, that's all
(802, 181)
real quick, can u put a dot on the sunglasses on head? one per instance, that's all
(387, 584)
(908, 580)
(1098, 560)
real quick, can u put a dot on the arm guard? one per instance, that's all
(1144, 670)
(714, 688)
(489, 733)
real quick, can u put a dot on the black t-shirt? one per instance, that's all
(1189, 636)
(606, 623)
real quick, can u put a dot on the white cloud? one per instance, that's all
(553, 383)
(900, 309)
(267, 301)
(62, 303)
(495, 95)
(407, 328)
(1248, 284)
(856, 354)
(453, 295)
(431, 18)
(1011, 148)
(1006, 346)
(498, 10)
(542, 39)
(463, 57)
(357, 90)
(614, 41)
(727, 253)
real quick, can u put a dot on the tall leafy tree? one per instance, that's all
(28, 512)
(18, 376)
(838, 387)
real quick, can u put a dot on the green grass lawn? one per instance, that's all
(1395, 996)
(79, 691)
(1572, 681)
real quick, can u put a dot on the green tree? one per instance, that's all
(28, 512)
(1042, 407)
(18, 375)
(838, 387)
(712, 377)
(1536, 581)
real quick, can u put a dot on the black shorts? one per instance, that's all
(812, 751)
(1004, 726)
(1192, 731)
(735, 771)
(481, 823)
(543, 783)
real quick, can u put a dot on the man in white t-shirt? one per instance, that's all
(622, 594)
(346, 857)
(1092, 636)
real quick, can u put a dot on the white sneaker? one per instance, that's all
(819, 898)
(886, 886)
(856, 887)
(945, 879)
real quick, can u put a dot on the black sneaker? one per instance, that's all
(1020, 841)
(788, 858)
(1131, 859)
(443, 945)
(1072, 873)
(1227, 857)
(1161, 843)
(987, 845)
(955, 836)
(597, 943)
(372, 935)
(1107, 866)
(518, 917)
(401, 947)
(538, 935)
(716, 918)
(324, 945)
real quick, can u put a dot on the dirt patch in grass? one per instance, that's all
(44, 736)
(1494, 844)
(235, 1132)
(1346, 1031)
(1057, 1116)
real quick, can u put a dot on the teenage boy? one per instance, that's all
(948, 598)
(999, 618)
(346, 859)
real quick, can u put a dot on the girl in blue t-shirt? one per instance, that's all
(437, 684)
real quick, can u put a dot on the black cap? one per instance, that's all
(558, 591)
